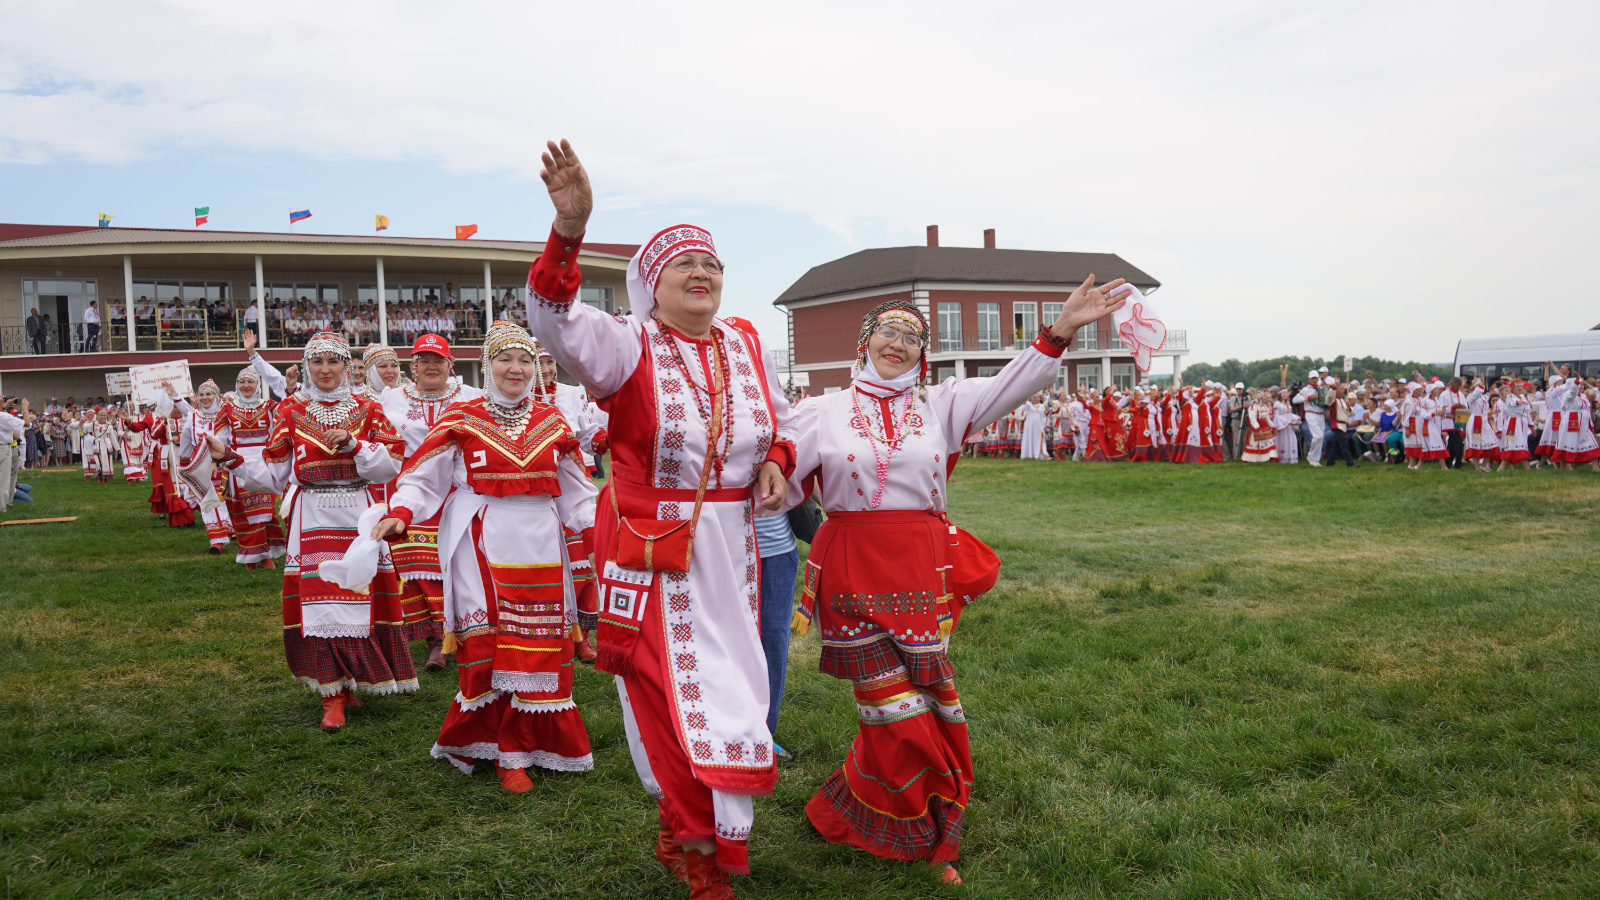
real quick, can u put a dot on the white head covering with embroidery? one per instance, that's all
(327, 343)
(644, 270)
(503, 336)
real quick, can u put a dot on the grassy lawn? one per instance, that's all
(1216, 681)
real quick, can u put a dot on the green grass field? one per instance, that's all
(1216, 681)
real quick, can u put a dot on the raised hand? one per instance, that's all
(249, 342)
(1088, 304)
(564, 177)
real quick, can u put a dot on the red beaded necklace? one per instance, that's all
(716, 387)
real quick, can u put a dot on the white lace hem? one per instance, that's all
(544, 759)
(543, 706)
(470, 705)
(387, 687)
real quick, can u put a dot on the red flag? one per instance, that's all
(465, 231)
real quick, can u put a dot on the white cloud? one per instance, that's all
(1304, 177)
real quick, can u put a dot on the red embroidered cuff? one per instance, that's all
(1050, 345)
(588, 540)
(783, 454)
(232, 460)
(600, 443)
(554, 280)
(401, 513)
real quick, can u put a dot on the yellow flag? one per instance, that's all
(383, 223)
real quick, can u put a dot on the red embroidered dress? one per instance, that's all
(254, 515)
(334, 639)
(687, 646)
(168, 498)
(416, 557)
(508, 600)
(876, 587)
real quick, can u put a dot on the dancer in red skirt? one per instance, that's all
(510, 611)
(244, 425)
(164, 427)
(878, 582)
(326, 446)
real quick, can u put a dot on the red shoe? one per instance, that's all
(586, 651)
(268, 564)
(670, 854)
(435, 655)
(351, 700)
(216, 550)
(333, 712)
(249, 567)
(706, 881)
(514, 780)
(949, 875)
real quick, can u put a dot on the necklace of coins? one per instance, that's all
(514, 419)
(331, 416)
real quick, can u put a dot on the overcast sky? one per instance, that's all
(1307, 178)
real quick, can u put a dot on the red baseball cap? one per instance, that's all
(431, 343)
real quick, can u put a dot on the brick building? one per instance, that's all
(985, 306)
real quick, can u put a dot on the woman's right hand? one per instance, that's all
(564, 177)
(249, 342)
(386, 527)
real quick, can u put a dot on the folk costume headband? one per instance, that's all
(865, 374)
(644, 270)
(327, 343)
(505, 336)
(374, 355)
(256, 398)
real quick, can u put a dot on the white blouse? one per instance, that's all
(833, 436)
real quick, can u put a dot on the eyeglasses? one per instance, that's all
(912, 341)
(686, 265)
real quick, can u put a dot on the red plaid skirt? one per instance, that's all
(378, 664)
(422, 609)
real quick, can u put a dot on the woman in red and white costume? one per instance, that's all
(501, 474)
(169, 499)
(1430, 426)
(134, 448)
(326, 446)
(878, 582)
(685, 391)
(104, 433)
(245, 424)
(203, 420)
(1482, 435)
(413, 409)
(1575, 440)
(1514, 419)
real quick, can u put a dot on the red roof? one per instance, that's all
(20, 232)
(17, 232)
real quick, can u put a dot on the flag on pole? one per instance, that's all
(465, 231)
(383, 223)
(296, 213)
(201, 214)
(105, 220)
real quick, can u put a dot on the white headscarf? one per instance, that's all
(645, 267)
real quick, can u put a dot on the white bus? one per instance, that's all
(1526, 355)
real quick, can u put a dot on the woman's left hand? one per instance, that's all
(770, 485)
(337, 438)
(1088, 304)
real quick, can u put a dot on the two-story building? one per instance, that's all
(984, 305)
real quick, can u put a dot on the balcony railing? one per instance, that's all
(463, 327)
(1003, 341)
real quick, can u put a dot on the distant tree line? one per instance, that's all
(1265, 372)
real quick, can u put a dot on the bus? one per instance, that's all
(1525, 356)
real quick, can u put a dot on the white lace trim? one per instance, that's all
(425, 576)
(336, 631)
(544, 759)
(554, 706)
(470, 705)
(387, 687)
(527, 682)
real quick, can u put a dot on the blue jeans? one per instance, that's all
(777, 611)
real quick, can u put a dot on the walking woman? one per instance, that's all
(326, 446)
(245, 424)
(508, 599)
(876, 581)
(699, 437)
(1260, 438)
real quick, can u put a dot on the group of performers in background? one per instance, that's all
(1509, 421)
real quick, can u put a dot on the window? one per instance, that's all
(943, 372)
(949, 327)
(988, 326)
(1062, 381)
(600, 298)
(1089, 374)
(1089, 338)
(1122, 375)
(1052, 312)
(1024, 322)
(988, 371)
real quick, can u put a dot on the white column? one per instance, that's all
(383, 307)
(1105, 372)
(1177, 366)
(127, 288)
(261, 306)
(488, 302)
